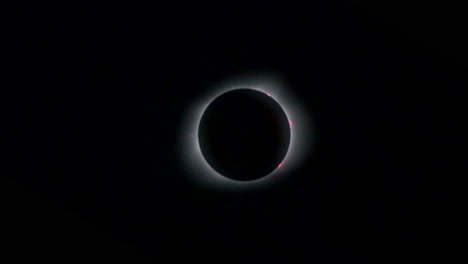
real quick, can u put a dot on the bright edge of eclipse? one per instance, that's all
(192, 159)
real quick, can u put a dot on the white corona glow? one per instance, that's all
(271, 84)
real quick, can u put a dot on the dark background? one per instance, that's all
(91, 99)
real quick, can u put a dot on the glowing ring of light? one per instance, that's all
(193, 160)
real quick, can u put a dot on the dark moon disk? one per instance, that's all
(244, 134)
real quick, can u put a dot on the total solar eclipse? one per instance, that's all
(244, 134)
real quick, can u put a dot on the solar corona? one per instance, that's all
(246, 133)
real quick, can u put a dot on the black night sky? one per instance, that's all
(92, 96)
